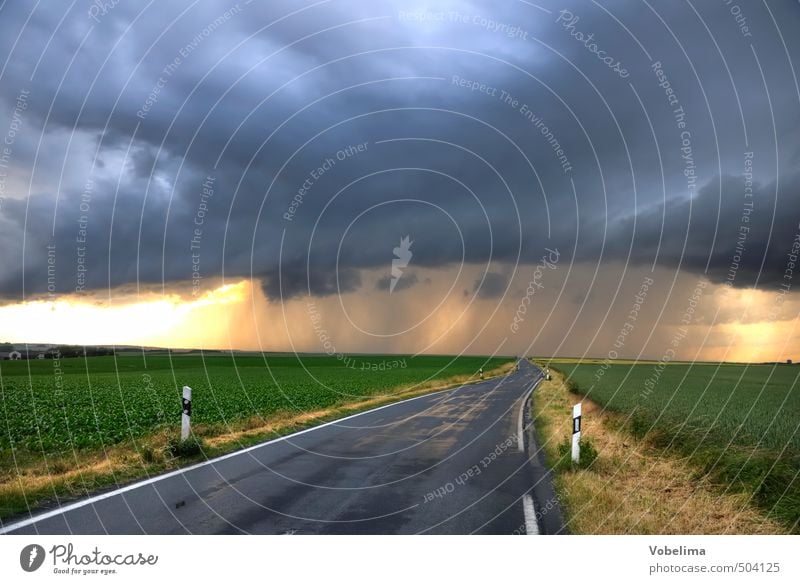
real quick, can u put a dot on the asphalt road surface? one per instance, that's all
(455, 462)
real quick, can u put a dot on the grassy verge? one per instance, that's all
(31, 481)
(635, 485)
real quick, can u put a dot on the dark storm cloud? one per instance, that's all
(735, 233)
(493, 285)
(365, 122)
(290, 283)
(405, 282)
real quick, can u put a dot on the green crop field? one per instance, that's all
(739, 424)
(49, 406)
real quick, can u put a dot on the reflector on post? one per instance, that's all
(576, 433)
(186, 416)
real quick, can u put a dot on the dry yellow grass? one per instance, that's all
(634, 488)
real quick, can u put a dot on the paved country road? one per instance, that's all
(454, 462)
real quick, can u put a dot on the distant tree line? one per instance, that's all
(79, 351)
(56, 351)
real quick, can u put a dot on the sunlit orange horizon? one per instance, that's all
(167, 320)
(238, 316)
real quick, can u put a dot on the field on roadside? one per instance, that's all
(57, 406)
(749, 406)
(738, 425)
(73, 426)
(632, 486)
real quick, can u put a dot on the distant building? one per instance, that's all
(788, 361)
(40, 356)
(15, 356)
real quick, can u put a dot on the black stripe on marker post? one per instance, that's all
(576, 433)
(186, 415)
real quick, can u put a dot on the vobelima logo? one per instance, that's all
(31, 557)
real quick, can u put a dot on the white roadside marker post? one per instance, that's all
(186, 417)
(576, 433)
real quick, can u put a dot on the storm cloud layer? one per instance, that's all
(298, 143)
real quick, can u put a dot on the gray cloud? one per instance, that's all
(314, 283)
(262, 102)
(739, 239)
(405, 282)
(492, 285)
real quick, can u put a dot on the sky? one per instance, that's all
(603, 179)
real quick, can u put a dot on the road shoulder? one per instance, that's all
(632, 487)
(45, 487)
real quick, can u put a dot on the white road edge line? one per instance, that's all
(528, 507)
(78, 504)
(531, 525)
(521, 419)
